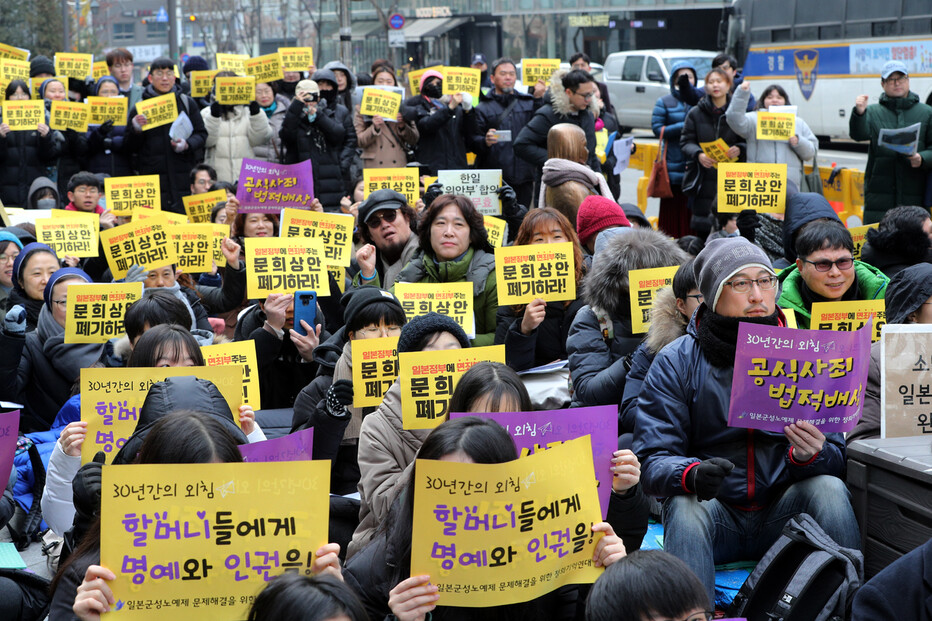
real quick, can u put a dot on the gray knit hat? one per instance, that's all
(723, 258)
(419, 327)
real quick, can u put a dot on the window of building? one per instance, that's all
(124, 31)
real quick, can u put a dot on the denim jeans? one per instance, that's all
(704, 534)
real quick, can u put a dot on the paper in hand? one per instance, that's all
(622, 150)
(181, 128)
(903, 140)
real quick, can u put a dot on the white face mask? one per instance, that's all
(46, 203)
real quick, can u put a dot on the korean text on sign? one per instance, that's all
(100, 69)
(643, 285)
(461, 80)
(849, 316)
(266, 187)
(375, 369)
(23, 115)
(775, 125)
(12, 69)
(16, 53)
(237, 90)
(278, 265)
(534, 69)
(161, 110)
(525, 273)
(199, 541)
(414, 78)
(266, 68)
(480, 186)
(76, 237)
(402, 180)
(193, 245)
(124, 194)
(145, 243)
(761, 187)
(784, 375)
(96, 312)
(717, 150)
(199, 206)
(453, 299)
(202, 82)
(296, 58)
(906, 380)
(105, 109)
(240, 352)
(221, 232)
(495, 534)
(496, 229)
(859, 236)
(380, 102)
(428, 379)
(69, 115)
(232, 62)
(72, 65)
(334, 230)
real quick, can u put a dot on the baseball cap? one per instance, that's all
(892, 67)
(478, 58)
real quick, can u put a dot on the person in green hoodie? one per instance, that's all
(893, 178)
(826, 271)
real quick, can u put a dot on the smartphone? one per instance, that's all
(305, 307)
(503, 135)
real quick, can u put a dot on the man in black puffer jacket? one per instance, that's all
(442, 124)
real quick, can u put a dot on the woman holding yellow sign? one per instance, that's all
(384, 142)
(25, 152)
(105, 141)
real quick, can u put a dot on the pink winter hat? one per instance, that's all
(429, 74)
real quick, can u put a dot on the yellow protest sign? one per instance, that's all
(12, 69)
(69, 115)
(16, 53)
(123, 194)
(380, 102)
(34, 84)
(534, 69)
(266, 68)
(74, 65)
(111, 399)
(338, 274)
(496, 228)
(335, 230)
(67, 213)
(142, 213)
(24, 115)
(194, 246)
(525, 273)
(859, 236)
(849, 316)
(232, 62)
(221, 232)
(280, 265)
(144, 243)
(479, 186)
(375, 369)
(100, 69)
(790, 317)
(775, 125)
(428, 379)
(531, 534)
(454, 299)
(296, 58)
(199, 206)
(96, 312)
(761, 187)
(643, 285)
(414, 78)
(462, 80)
(161, 110)
(402, 180)
(233, 91)
(202, 82)
(240, 352)
(74, 237)
(717, 150)
(103, 109)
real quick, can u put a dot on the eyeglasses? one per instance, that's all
(699, 616)
(743, 285)
(825, 265)
(587, 96)
(899, 80)
(6, 258)
(203, 182)
(375, 219)
(162, 73)
(698, 296)
(62, 304)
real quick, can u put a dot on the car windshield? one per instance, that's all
(703, 64)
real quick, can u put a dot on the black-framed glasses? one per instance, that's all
(699, 297)
(375, 219)
(587, 96)
(743, 285)
(62, 304)
(824, 265)
(899, 80)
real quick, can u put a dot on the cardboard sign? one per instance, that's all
(16, 53)
(534, 69)
(232, 91)
(73, 237)
(496, 229)
(145, 243)
(849, 316)
(462, 80)
(96, 312)
(761, 187)
(297, 446)
(375, 369)
(859, 236)
(194, 246)
(24, 115)
(905, 380)
(428, 379)
(203, 539)
(339, 276)
(240, 352)
(124, 194)
(100, 69)
(266, 68)
(9, 433)
(643, 287)
(454, 299)
(783, 375)
(414, 78)
(199, 206)
(278, 265)
(12, 69)
(497, 534)
(144, 213)
(74, 65)
(480, 186)
(402, 180)
(111, 399)
(380, 102)
(790, 317)
(266, 187)
(221, 232)
(775, 125)
(335, 230)
(525, 273)
(717, 150)
(232, 62)
(103, 109)
(69, 115)
(161, 110)
(202, 82)
(296, 58)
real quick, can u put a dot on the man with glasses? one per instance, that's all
(729, 491)
(893, 178)
(386, 224)
(120, 64)
(826, 271)
(84, 195)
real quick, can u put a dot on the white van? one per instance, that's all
(637, 78)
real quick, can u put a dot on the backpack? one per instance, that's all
(804, 576)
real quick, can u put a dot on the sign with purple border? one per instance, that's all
(9, 433)
(297, 446)
(784, 375)
(533, 431)
(266, 187)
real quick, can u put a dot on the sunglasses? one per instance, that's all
(375, 219)
(842, 264)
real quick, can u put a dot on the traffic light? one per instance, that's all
(192, 18)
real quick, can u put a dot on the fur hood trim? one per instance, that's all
(560, 102)
(666, 322)
(911, 243)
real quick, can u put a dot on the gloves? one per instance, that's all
(105, 127)
(136, 273)
(339, 395)
(682, 83)
(253, 108)
(15, 321)
(509, 199)
(706, 478)
(215, 109)
(180, 146)
(87, 486)
(296, 107)
(433, 191)
(748, 222)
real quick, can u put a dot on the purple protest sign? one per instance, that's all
(533, 431)
(784, 375)
(293, 447)
(9, 433)
(265, 187)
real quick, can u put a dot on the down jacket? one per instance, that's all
(546, 343)
(442, 132)
(320, 141)
(870, 282)
(25, 156)
(670, 114)
(515, 170)
(231, 137)
(271, 150)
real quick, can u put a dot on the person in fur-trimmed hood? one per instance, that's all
(902, 239)
(572, 100)
(441, 123)
(600, 338)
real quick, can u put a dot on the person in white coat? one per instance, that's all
(232, 132)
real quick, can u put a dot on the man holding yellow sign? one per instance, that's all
(440, 118)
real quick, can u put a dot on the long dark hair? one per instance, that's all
(499, 384)
(478, 236)
(293, 597)
(167, 340)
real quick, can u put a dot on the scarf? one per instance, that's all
(270, 110)
(558, 171)
(33, 307)
(718, 334)
(68, 359)
(344, 370)
(176, 291)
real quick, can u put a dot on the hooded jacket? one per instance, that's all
(670, 114)
(893, 250)
(515, 170)
(41, 183)
(231, 137)
(801, 209)
(320, 141)
(25, 156)
(870, 281)
(889, 179)
(442, 132)
(271, 150)
(346, 96)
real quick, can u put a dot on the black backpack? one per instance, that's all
(804, 576)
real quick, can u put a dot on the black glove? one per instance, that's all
(748, 222)
(433, 191)
(706, 478)
(105, 127)
(87, 486)
(296, 107)
(682, 83)
(215, 109)
(339, 395)
(253, 108)
(509, 199)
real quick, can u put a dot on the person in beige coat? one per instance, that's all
(232, 132)
(384, 143)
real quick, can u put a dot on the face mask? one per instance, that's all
(329, 97)
(311, 117)
(434, 91)
(46, 203)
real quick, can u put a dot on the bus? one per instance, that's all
(827, 52)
